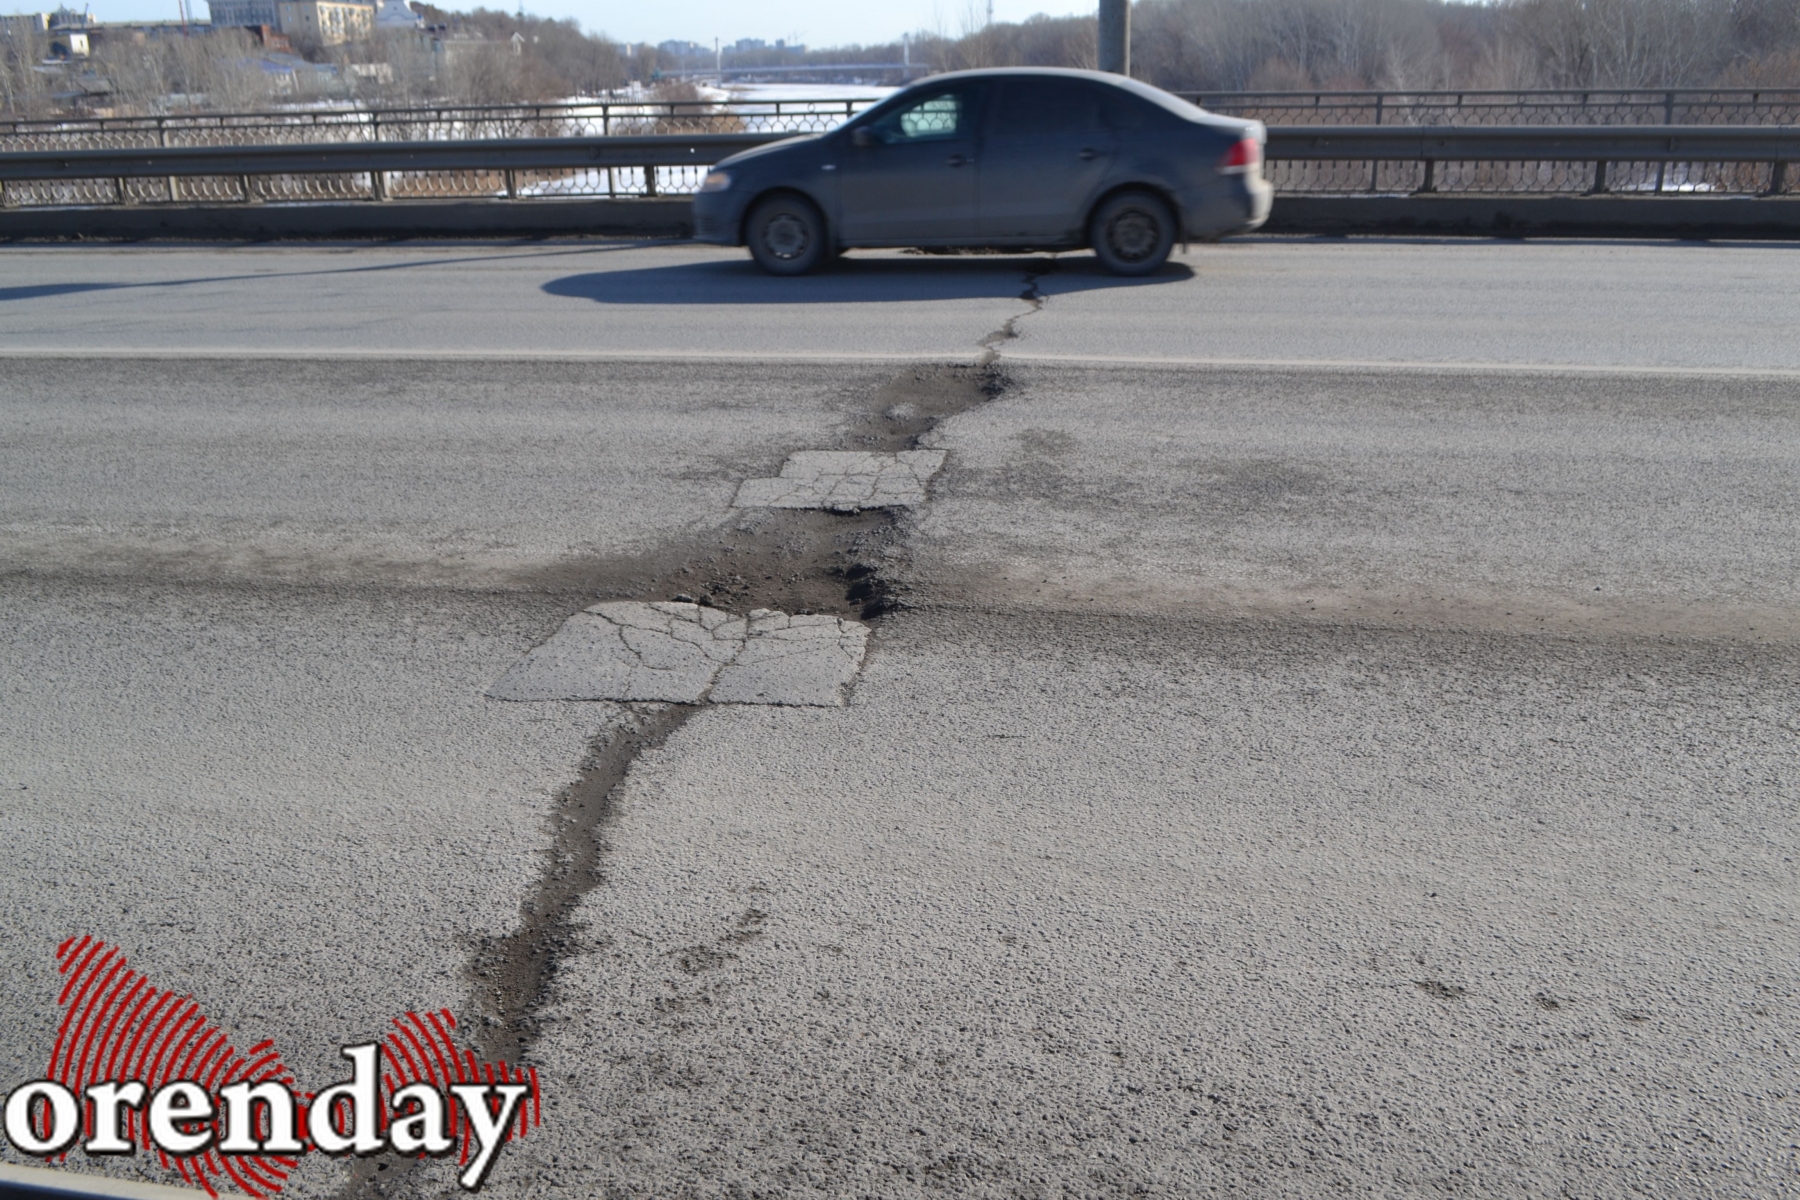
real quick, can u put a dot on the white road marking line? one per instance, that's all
(952, 357)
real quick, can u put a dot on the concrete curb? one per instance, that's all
(1540, 216)
(40, 1183)
(1479, 216)
(367, 219)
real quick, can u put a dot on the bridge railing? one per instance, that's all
(1682, 160)
(1631, 106)
(480, 122)
(611, 117)
(468, 123)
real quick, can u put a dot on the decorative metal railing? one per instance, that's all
(663, 148)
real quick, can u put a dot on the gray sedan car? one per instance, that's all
(1021, 158)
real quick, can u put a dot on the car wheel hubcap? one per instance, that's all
(1134, 235)
(785, 236)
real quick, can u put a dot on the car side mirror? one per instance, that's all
(862, 135)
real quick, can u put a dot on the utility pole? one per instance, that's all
(1115, 36)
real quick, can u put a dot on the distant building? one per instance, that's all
(244, 13)
(22, 24)
(69, 34)
(66, 30)
(289, 73)
(393, 15)
(327, 22)
(136, 33)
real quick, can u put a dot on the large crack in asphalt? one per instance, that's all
(1032, 295)
(798, 561)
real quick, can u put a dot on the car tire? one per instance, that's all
(1132, 233)
(787, 235)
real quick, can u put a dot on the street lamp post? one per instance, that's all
(1115, 36)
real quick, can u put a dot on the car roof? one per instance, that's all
(1123, 83)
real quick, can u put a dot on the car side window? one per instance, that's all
(1039, 107)
(934, 118)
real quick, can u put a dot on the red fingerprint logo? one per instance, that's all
(117, 1027)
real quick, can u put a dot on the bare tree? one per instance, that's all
(217, 72)
(24, 90)
(1625, 43)
(489, 56)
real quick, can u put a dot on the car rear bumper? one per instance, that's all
(1262, 199)
(1238, 207)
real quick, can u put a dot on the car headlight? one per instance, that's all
(716, 181)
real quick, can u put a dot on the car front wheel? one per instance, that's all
(787, 235)
(1132, 233)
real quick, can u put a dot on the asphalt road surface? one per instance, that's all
(1333, 729)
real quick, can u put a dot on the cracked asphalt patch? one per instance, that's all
(793, 660)
(628, 651)
(844, 481)
(688, 654)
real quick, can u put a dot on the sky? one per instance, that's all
(813, 22)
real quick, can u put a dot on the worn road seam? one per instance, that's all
(512, 976)
(990, 345)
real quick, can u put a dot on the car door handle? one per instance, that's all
(958, 160)
(1088, 154)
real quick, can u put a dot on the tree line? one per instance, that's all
(1184, 45)
(1283, 45)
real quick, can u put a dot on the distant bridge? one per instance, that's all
(791, 71)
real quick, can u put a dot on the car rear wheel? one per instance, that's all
(1132, 233)
(787, 235)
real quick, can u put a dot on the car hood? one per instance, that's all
(785, 144)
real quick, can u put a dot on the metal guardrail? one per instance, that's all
(631, 117)
(1542, 143)
(507, 154)
(1688, 159)
(1692, 143)
(1745, 160)
(596, 118)
(1754, 147)
(1587, 106)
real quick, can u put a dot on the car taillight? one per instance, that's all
(1246, 155)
